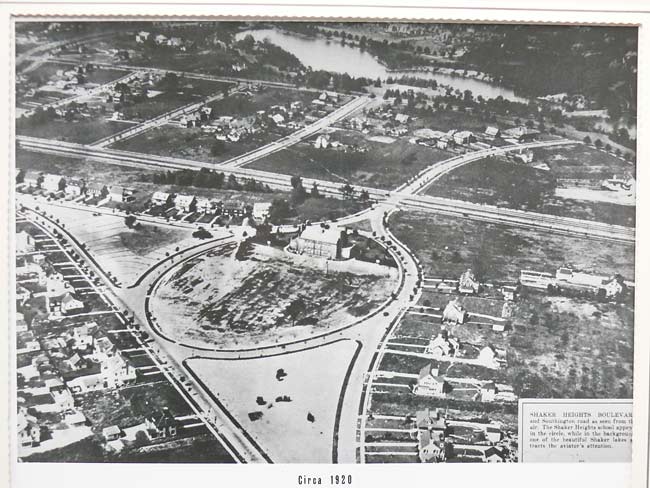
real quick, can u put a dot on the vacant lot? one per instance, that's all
(267, 297)
(123, 252)
(78, 168)
(580, 161)
(283, 429)
(497, 181)
(448, 246)
(80, 131)
(382, 166)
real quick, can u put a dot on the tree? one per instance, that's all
(587, 140)
(279, 210)
(598, 143)
(364, 196)
(298, 194)
(295, 308)
(347, 190)
(233, 184)
(314, 191)
(129, 221)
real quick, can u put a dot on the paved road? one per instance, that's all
(157, 121)
(132, 300)
(403, 197)
(307, 131)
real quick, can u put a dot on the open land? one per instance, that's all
(217, 299)
(447, 247)
(283, 427)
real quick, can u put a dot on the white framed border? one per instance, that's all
(595, 12)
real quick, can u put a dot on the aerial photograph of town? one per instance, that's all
(317, 242)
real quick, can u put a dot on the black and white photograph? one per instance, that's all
(325, 241)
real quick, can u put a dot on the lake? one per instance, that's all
(320, 54)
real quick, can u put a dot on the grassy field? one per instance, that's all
(496, 181)
(448, 246)
(82, 131)
(382, 166)
(78, 168)
(581, 162)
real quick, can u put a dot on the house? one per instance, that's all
(522, 134)
(75, 187)
(112, 433)
(232, 208)
(443, 345)
(468, 284)
(185, 203)
(56, 285)
(401, 118)
(204, 205)
(429, 450)
(509, 293)
(141, 37)
(162, 198)
(175, 42)
(70, 304)
(492, 132)
(322, 241)
(53, 183)
(445, 141)
(83, 336)
(96, 190)
(21, 325)
(25, 242)
(454, 312)
(32, 179)
(29, 433)
(491, 357)
(162, 424)
(102, 372)
(261, 210)
(160, 39)
(430, 383)
(431, 421)
(322, 141)
(488, 391)
(75, 419)
(523, 156)
(493, 434)
(536, 279)
(278, 119)
(117, 193)
(463, 137)
(22, 294)
(494, 455)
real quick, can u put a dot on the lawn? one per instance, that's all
(497, 181)
(382, 166)
(447, 246)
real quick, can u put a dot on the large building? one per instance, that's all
(322, 241)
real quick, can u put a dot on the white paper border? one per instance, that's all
(635, 12)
